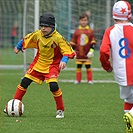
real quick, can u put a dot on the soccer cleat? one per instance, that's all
(60, 114)
(128, 119)
(90, 82)
(76, 82)
(128, 131)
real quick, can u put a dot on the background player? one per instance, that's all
(117, 45)
(83, 42)
(53, 52)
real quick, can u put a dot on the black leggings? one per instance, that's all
(80, 66)
(25, 82)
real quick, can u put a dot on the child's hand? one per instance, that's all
(62, 65)
(110, 70)
(16, 51)
(90, 54)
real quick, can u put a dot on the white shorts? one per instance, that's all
(126, 93)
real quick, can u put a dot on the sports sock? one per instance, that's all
(78, 74)
(89, 74)
(20, 92)
(127, 107)
(131, 111)
(58, 99)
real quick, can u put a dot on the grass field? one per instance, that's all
(88, 108)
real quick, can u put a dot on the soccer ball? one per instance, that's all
(14, 107)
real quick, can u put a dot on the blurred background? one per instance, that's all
(88, 108)
(19, 17)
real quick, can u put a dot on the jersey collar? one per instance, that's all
(87, 27)
(50, 34)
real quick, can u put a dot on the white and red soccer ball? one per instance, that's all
(14, 108)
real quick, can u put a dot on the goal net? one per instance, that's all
(67, 17)
(30, 23)
(66, 13)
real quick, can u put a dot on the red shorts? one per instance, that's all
(39, 77)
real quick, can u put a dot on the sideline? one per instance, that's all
(85, 81)
(14, 67)
(17, 67)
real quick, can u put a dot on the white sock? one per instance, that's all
(131, 111)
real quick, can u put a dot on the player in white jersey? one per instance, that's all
(116, 54)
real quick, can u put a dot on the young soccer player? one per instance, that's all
(53, 52)
(83, 42)
(117, 46)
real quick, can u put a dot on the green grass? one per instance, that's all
(88, 108)
(8, 57)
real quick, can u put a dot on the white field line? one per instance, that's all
(85, 81)
(13, 67)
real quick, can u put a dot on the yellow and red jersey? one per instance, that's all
(50, 49)
(82, 40)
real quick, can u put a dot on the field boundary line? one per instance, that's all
(13, 67)
(85, 81)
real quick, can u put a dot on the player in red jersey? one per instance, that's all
(53, 52)
(83, 42)
(116, 54)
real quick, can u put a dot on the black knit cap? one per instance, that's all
(47, 19)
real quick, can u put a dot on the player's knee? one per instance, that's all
(25, 82)
(53, 86)
(79, 65)
(88, 66)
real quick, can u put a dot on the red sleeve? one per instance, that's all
(105, 50)
(74, 38)
(93, 40)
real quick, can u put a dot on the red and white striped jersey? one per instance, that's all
(117, 51)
